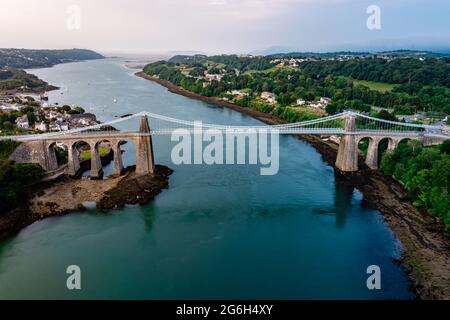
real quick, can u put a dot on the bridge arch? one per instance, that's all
(406, 141)
(103, 148)
(363, 143)
(82, 151)
(56, 155)
(386, 144)
(368, 145)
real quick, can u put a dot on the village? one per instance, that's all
(213, 74)
(30, 113)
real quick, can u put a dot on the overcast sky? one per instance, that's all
(226, 26)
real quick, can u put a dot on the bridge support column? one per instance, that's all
(73, 160)
(145, 162)
(347, 157)
(392, 144)
(96, 163)
(118, 163)
(51, 163)
(372, 154)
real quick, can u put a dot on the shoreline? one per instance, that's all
(51, 198)
(425, 243)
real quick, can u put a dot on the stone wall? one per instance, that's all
(31, 152)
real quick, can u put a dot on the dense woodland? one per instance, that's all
(435, 72)
(258, 74)
(425, 173)
(14, 177)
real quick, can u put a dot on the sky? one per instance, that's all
(224, 26)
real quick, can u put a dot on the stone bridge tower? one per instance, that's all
(145, 162)
(347, 157)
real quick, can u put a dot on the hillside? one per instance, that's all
(15, 79)
(26, 58)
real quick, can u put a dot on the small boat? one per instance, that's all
(115, 100)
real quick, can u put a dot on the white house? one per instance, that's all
(41, 126)
(316, 105)
(239, 93)
(325, 100)
(22, 122)
(10, 107)
(54, 127)
(213, 77)
(269, 97)
(300, 102)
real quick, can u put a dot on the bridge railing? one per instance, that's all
(329, 125)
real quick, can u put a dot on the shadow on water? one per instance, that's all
(343, 197)
(342, 200)
(148, 216)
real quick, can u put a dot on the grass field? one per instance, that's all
(86, 154)
(378, 86)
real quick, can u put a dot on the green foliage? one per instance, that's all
(7, 147)
(333, 79)
(386, 115)
(431, 71)
(425, 172)
(445, 147)
(7, 120)
(15, 79)
(61, 155)
(363, 146)
(14, 176)
(76, 110)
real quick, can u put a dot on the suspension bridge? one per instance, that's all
(350, 127)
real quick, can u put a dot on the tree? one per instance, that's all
(445, 147)
(331, 108)
(7, 125)
(386, 115)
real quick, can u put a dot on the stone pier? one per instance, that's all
(73, 164)
(118, 163)
(145, 162)
(96, 163)
(347, 157)
(372, 153)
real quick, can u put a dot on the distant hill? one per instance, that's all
(282, 53)
(197, 58)
(318, 54)
(273, 50)
(27, 58)
(12, 79)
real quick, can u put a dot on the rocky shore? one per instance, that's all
(426, 244)
(53, 198)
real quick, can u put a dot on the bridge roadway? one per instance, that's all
(40, 148)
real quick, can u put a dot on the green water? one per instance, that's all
(218, 232)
